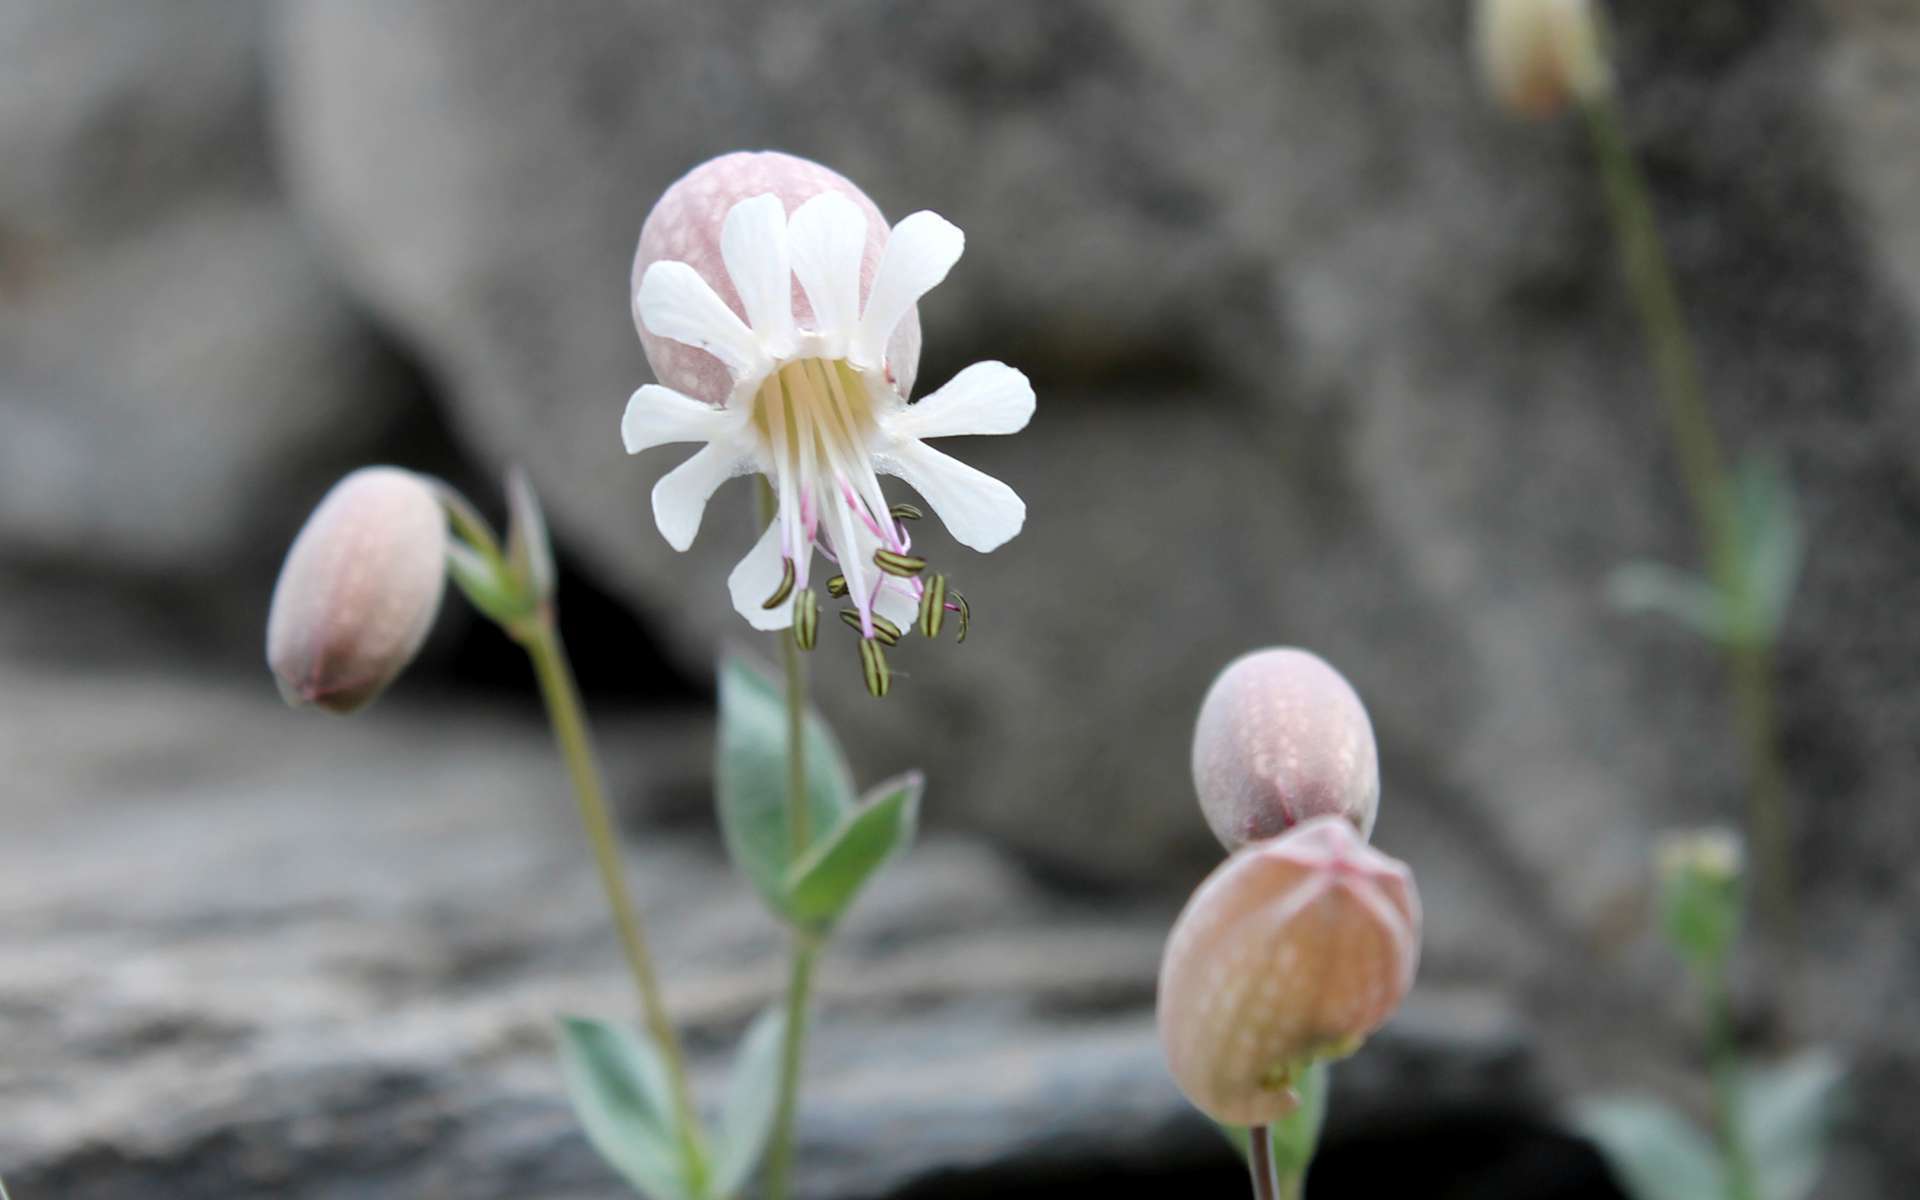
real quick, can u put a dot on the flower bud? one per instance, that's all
(1294, 949)
(359, 589)
(1536, 54)
(1700, 874)
(685, 225)
(1283, 737)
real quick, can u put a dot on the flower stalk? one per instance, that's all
(1266, 1184)
(1697, 448)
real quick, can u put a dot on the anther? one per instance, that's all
(837, 587)
(873, 666)
(884, 631)
(902, 565)
(806, 619)
(784, 590)
(933, 605)
(960, 606)
(905, 512)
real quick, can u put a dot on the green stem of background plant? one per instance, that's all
(1702, 467)
(803, 947)
(1723, 1064)
(541, 638)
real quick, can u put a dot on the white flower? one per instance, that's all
(816, 410)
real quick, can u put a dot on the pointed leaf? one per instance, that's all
(1787, 1109)
(750, 777)
(1653, 1152)
(824, 883)
(1771, 542)
(1682, 597)
(752, 1093)
(485, 583)
(1296, 1135)
(529, 552)
(620, 1091)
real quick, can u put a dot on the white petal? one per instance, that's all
(756, 577)
(659, 416)
(674, 302)
(828, 237)
(896, 605)
(979, 510)
(680, 498)
(920, 252)
(753, 241)
(987, 397)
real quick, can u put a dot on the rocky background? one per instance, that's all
(1328, 353)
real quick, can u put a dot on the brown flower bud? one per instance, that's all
(1294, 949)
(1283, 737)
(359, 590)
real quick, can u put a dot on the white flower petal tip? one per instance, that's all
(986, 398)
(756, 577)
(753, 243)
(980, 512)
(827, 238)
(680, 498)
(674, 302)
(660, 416)
(920, 252)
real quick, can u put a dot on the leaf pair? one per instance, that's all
(811, 886)
(1750, 608)
(620, 1091)
(1785, 1110)
(509, 586)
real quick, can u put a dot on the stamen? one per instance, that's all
(873, 666)
(933, 605)
(905, 512)
(784, 590)
(806, 619)
(905, 566)
(837, 587)
(884, 631)
(959, 605)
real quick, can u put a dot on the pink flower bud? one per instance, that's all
(359, 589)
(1282, 737)
(1294, 949)
(1537, 54)
(685, 226)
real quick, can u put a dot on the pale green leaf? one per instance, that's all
(1786, 1110)
(750, 777)
(620, 1091)
(746, 1120)
(1655, 1154)
(822, 885)
(1296, 1135)
(1677, 595)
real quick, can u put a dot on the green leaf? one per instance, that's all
(1771, 543)
(529, 550)
(1678, 595)
(824, 882)
(1654, 1153)
(746, 1120)
(1785, 1112)
(620, 1092)
(1296, 1135)
(486, 583)
(750, 776)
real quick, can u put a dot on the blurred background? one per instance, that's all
(1329, 353)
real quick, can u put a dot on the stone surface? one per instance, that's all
(320, 958)
(179, 375)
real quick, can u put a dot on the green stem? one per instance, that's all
(1702, 468)
(1260, 1164)
(1724, 1066)
(541, 638)
(804, 949)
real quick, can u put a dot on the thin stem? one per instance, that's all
(541, 638)
(1702, 467)
(804, 949)
(1724, 1065)
(1260, 1164)
(792, 1056)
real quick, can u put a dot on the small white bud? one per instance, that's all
(1538, 54)
(359, 590)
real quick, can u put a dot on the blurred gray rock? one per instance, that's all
(321, 959)
(179, 377)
